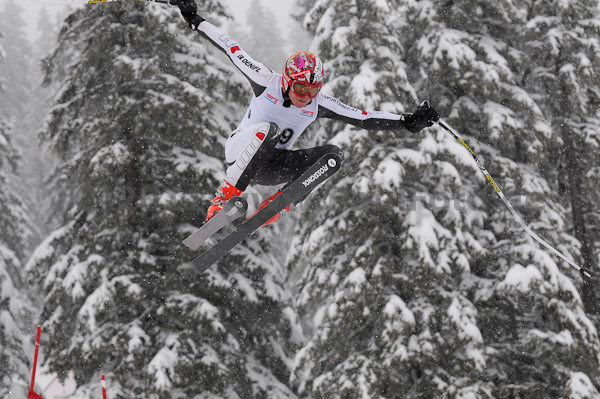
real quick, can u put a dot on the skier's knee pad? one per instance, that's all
(271, 132)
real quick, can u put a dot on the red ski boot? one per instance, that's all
(267, 202)
(226, 192)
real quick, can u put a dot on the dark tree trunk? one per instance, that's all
(576, 188)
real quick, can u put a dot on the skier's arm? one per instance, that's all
(257, 74)
(330, 107)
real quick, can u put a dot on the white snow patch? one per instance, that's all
(46, 249)
(320, 315)
(382, 4)
(116, 154)
(562, 338)
(463, 314)
(296, 333)
(137, 337)
(464, 318)
(74, 280)
(396, 308)
(339, 39)
(135, 64)
(452, 49)
(332, 310)
(245, 285)
(581, 387)
(389, 174)
(362, 86)
(425, 232)
(162, 366)
(210, 356)
(357, 278)
(95, 302)
(520, 278)
(264, 382)
(500, 118)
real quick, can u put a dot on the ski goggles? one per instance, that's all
(303, 89)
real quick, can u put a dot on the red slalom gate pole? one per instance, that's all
(32, 393)
(103, 382)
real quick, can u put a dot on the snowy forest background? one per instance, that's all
(403, 277)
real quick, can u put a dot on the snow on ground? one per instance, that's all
(49, 386)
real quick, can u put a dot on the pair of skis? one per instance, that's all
(236, 207)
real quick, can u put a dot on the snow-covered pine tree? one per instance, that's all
(382, 260)
(13, 234)
(25, 104)
(141, 118)
(526, 302)
(425, 287)
(264, 37)
(41, 165)
(17, 69)
(49, 26)
(564, 44)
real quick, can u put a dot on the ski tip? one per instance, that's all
(235, 208)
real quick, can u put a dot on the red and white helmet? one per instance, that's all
(303, 67)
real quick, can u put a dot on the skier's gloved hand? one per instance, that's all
(424, 116)
(189, 11)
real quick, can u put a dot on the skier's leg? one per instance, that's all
(246, 151)
(286, 166)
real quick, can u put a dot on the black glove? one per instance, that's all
(424, 116)
(189, 11)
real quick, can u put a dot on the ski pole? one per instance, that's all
(512, 210)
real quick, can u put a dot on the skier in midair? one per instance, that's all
(259, 151)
